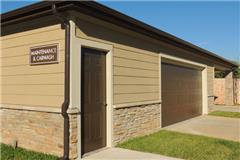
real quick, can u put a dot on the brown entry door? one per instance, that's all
(93, 118)
(181, 93)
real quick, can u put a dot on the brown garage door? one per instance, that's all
(93, 117)
(181, 93)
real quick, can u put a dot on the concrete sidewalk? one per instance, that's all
(225, 108)
(125, 154)
(212, 126)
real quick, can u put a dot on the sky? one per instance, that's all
(212, 25)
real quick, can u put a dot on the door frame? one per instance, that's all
(184, 62)
(75, 85)
(89, 145)
(109, 85)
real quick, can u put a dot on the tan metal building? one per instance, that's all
(78, 76)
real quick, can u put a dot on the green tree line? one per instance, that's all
(222, 74)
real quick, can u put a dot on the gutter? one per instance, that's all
(102, 12)
(65, 25)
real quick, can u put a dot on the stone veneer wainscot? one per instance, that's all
(130, 122)
(40, 131)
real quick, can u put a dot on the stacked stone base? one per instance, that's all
(42, 131)
(135, 121)
(37, 130)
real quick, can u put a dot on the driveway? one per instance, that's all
(225, 108)
(125, 154)
(212, 126)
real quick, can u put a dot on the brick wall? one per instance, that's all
(210, 79)
(219, 90)
(229, 89)
(135, 121)
(237, 92)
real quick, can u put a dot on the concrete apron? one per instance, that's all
(225, 108)
(125, 154)
(211, 126)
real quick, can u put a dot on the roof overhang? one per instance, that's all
(92, 8)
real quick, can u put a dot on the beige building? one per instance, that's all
(78, 76)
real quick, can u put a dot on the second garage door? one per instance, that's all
(181, 93)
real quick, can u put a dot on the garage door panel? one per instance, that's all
(181, 93)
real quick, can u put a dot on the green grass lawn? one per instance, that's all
(225, 114)
(8, 153)
(185, 146)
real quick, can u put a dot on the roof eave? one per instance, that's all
(43, 8)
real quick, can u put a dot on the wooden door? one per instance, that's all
(93, 118)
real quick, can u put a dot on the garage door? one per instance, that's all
(181, 93)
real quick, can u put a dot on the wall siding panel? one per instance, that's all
(32, 90)
(36, 69)
(135, 80)
(24, 49)
(124, 89)
(135, 70)
(33, 39)
(132, 98)
(135, 55)
(22, 84)
(39, 30)
(22, 60)
(136, 76)
(124, 62)
(132, 72)
(32, 100)
(47, 78)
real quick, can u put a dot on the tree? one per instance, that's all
(220, 74)
(236, 73)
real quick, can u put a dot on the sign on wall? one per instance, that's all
(46, 54)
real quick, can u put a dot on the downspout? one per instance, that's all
(65, 25)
